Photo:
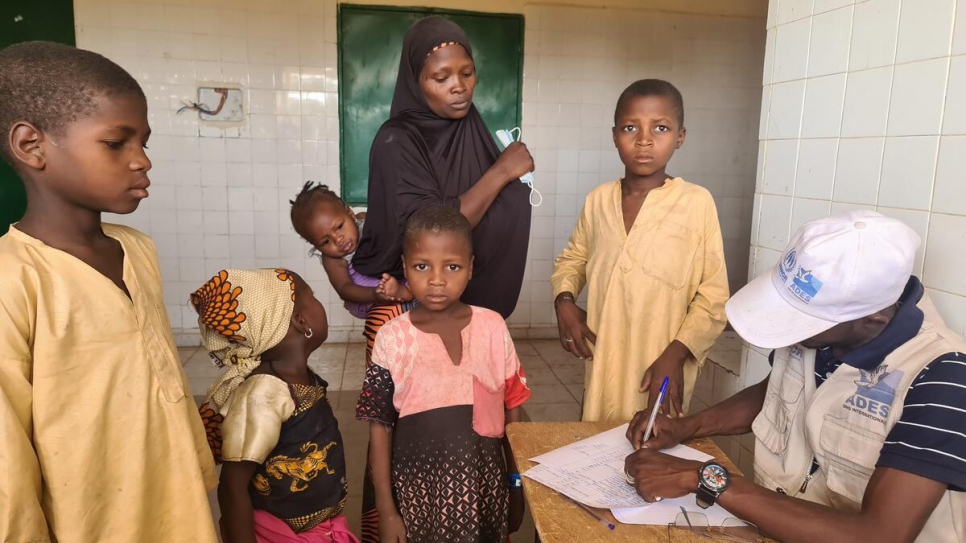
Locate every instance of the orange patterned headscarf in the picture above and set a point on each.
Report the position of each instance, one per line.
(242, 314)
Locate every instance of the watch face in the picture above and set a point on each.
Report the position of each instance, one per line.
(715, 477)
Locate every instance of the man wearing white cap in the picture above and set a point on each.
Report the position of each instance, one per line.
(860, 429)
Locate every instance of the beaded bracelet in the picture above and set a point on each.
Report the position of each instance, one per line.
(564, 298)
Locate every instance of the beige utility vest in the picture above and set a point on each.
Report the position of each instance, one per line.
(843, 424)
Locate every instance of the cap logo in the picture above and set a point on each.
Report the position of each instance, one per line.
(804, 285)
(788, 264)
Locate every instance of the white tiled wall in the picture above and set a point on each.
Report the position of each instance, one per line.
(879, 88)
(218, 202)
(576, 64)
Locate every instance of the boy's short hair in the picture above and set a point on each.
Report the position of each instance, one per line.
(51, 85)
(651, 87)
(437, 219)
(302, 204)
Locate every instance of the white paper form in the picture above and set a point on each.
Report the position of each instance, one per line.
(604, 493)
(591, 471)
(611, 442)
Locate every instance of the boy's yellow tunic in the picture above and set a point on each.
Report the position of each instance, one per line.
(100, 439)
(664, 280)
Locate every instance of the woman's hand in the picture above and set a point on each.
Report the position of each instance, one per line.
(392, 529)
(573, 330)
(671, 365)
(517, 508)
(514, 162)
(509, 166)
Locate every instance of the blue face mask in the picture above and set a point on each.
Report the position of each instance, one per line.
(506, 138)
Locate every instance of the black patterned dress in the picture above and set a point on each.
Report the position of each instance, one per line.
(302, 479)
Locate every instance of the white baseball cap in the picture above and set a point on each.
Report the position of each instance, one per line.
(834, 270)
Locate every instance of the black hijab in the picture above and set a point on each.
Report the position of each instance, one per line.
(419, 159)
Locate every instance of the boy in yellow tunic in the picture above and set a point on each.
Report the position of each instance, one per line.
(100, 440)
(648, 247)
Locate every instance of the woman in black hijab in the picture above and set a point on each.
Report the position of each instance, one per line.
(436, 149)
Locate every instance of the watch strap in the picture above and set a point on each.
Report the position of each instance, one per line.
(705, 497)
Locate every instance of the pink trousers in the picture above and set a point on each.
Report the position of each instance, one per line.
(271, 529)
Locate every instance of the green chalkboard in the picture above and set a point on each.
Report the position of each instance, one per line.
(370, 42)
(23, 20)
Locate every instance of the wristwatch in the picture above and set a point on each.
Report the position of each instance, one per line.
(514, 480)
(713, 479)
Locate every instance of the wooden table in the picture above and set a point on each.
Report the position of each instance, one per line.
(558, 520)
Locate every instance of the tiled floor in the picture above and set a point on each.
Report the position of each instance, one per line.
(555, 378)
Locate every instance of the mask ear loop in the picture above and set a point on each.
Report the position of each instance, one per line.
(535, 192)
(528, 177)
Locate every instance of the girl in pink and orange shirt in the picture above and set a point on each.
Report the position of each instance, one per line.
(444, 381)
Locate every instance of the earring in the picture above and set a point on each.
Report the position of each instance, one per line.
(308, 334)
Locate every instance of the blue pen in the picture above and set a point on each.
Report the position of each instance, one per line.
(600, 520)
(657, 406)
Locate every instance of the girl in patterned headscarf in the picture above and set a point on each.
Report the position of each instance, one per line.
(268, 418)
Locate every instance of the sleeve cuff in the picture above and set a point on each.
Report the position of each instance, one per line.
(366, 418)
(517, 392)
(944, 474)
(376, 398)
(565, 286)
(697, 351)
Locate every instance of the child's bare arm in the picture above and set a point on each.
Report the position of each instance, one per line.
(338, 271)
(517, 504)
(512, 415)
(391, 526)
(237, 512)
(568, 279)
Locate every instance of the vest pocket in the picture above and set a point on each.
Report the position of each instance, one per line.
(782, 403)
(849, 457)
(669, 254)
(792, 385)
(771, 425)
